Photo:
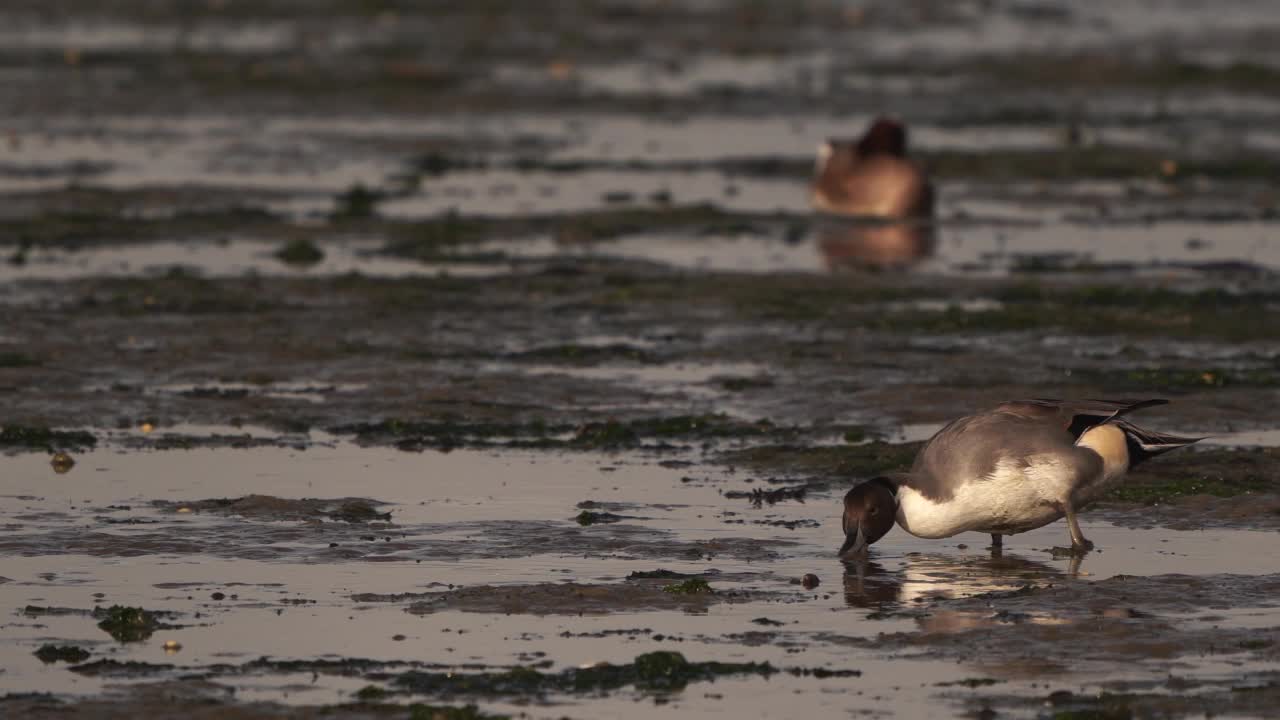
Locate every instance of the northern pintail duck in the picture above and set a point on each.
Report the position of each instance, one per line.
(872, 176)
(1014, 468)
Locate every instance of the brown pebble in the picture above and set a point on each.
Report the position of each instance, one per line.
(62, 463)
(810, 581)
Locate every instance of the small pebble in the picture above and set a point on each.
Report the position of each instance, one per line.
(62, 463)
(809, 581)
(218, 596)
(172, 646)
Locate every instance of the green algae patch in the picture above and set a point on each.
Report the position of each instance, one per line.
(1174, 488)
(357, 203)
(703, 218)
(760, 497)
(1218, 473)
(61, 653)
(587, 518)
(89, 228)
(572, 353)
(418, 711)
(445, 433)
(970, 683)
(1216, 314)
(357, 512)
(300, 252)
(608, 434)
(745, 384)
(42, 438)
(692, 586)
(271, 508)
(371, 693)
(616, 434)
(127, 624)
(661, 574)
(656, 671)
(641, 591)
(414, 435)
(177, 292)
(17, 360)
(433, 239)
(864, 460)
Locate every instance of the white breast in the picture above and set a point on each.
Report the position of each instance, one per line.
(1016, 497)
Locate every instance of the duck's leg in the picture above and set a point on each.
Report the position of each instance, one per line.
(997, 543)
(1078, 541)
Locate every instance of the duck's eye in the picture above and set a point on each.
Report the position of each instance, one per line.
(875, 511)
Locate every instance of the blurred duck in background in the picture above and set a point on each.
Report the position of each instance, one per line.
(872, 176)
(877, 204)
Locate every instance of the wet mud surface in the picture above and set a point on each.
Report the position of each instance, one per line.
(346, 374)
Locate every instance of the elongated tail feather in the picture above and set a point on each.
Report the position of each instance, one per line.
(1146, 444)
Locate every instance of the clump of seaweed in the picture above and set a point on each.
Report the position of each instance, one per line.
(126, 624)
(692, 586)
(42, 438)
(64, 653)
(300, 252)
(663, 670)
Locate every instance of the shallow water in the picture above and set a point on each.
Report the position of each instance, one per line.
(476, 517)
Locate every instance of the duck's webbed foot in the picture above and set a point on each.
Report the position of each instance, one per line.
(1079, 544)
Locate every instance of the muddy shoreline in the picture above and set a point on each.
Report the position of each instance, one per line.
(405, 360)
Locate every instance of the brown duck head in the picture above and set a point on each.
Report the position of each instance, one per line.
(870, 510)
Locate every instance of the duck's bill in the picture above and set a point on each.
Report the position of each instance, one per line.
(854, 545)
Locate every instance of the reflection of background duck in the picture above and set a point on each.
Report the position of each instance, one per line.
(875, 245)
(873, 180)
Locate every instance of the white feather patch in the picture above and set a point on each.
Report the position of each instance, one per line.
(825, 151)
(1017, 496)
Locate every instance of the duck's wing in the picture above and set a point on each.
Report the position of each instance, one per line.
(1075, 416)
(977, 447)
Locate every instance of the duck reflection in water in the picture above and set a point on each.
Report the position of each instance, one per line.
(869, 584)
(876, 204)
(875, 245)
